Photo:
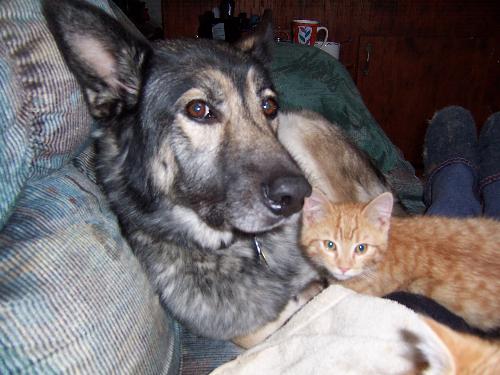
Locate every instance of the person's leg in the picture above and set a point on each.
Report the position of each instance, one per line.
(450, 162)
(489, 168)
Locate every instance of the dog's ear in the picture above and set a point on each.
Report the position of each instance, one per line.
(261, 42)
(106, 58)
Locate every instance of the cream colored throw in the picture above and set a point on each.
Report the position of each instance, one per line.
(342, 332)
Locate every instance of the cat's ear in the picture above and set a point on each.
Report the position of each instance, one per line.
(106, 58)
(260, 43)
(379, 211)
(315, 207)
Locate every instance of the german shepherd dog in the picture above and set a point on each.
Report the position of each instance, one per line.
(189, 158)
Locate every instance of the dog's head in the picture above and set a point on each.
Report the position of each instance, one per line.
(190, 126)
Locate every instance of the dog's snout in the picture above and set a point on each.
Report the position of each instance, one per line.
(285, 195)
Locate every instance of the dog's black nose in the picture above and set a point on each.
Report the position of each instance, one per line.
(285, 195)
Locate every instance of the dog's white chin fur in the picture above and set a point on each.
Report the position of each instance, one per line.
(198, 230)
(212, 238)
(255, 224)
(256, 218)
(255, 227)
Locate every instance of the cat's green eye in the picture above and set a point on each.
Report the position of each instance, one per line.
(330, 245)
(361, 248)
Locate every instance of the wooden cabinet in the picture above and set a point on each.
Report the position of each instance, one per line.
(404, 80)
(423, 54)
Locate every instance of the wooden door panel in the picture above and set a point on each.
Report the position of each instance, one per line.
(407, 79)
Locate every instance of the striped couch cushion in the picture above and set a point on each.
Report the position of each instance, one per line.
(43, 121)
(73, 298)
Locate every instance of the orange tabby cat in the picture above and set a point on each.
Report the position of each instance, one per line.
(456, 262)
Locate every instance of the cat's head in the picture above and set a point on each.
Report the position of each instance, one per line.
(346, 239)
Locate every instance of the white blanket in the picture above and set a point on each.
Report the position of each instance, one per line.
(342, 332)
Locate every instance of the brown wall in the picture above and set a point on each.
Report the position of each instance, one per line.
(346, 20)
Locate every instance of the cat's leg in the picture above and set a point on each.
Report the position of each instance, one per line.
(489, 167)
(450, 159)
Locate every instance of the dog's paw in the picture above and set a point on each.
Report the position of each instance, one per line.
(311, 291)
(295, 304)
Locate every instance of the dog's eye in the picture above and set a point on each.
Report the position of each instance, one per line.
(200, 111)
(270, 107)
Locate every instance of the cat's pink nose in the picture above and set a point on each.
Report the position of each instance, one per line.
(344, 269)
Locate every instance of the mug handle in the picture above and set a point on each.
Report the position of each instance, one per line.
(326, 34)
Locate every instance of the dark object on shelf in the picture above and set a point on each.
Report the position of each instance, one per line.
(232, 29)
(206, 21)
(226, 27)
(138, 13)
(226, 9)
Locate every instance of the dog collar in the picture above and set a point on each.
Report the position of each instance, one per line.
(260, 253)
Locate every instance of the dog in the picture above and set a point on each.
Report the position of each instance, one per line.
(189, 158)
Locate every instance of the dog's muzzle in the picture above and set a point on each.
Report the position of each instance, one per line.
(284, 196)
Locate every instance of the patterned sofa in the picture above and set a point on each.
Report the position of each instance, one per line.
(73, 298)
